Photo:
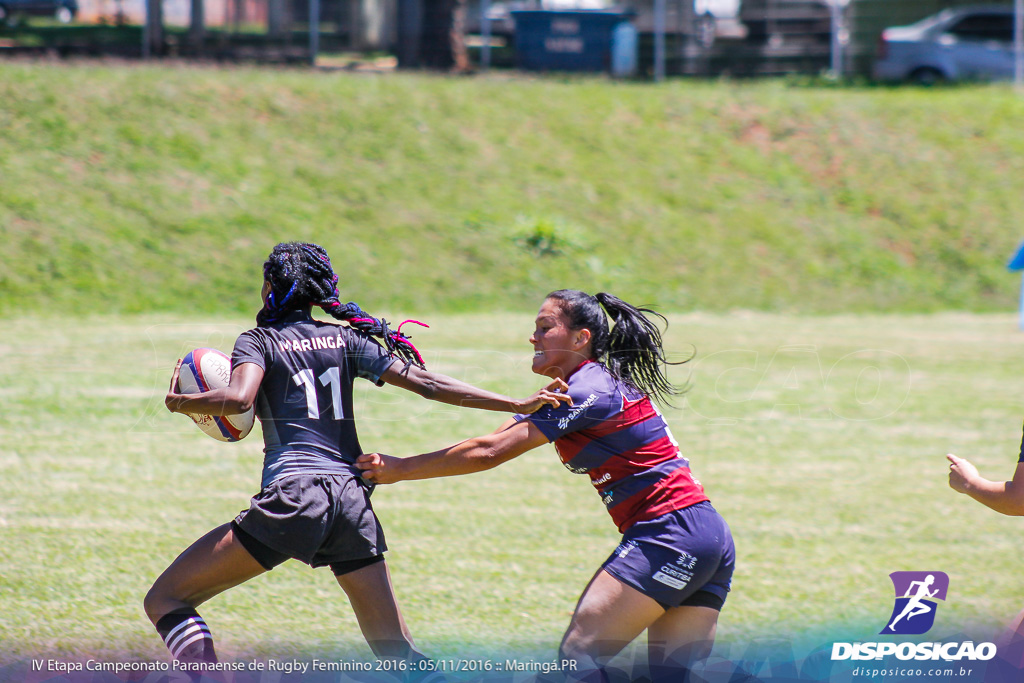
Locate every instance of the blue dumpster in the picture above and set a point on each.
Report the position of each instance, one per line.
(575, 40)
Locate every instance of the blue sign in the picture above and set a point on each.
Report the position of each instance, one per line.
(1017, 262)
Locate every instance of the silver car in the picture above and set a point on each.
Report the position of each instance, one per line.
(966, 43)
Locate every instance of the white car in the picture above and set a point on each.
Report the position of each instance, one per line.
(965, 43)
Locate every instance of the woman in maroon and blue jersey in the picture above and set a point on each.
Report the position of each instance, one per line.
(673, 568)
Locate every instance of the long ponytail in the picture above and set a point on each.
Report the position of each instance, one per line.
(631, 349)
(300, 274)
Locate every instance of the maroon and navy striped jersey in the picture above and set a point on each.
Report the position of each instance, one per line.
(615, 434)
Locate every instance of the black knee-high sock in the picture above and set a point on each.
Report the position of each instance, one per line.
(187, 636)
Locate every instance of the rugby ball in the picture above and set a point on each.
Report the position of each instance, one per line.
(205, 370)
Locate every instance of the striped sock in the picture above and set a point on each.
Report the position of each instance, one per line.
(187, 636)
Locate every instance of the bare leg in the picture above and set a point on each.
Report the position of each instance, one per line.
(608, 617)
(214, 563)
(373, 600)
(677, 641)
(211, 565)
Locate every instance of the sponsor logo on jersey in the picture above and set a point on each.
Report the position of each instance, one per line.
(563, 423)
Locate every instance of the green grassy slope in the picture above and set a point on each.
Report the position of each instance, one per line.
(131, 188)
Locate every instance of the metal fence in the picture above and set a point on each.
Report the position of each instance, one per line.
(772, 37)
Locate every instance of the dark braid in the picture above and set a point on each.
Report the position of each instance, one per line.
(300, 274)
(632, 350)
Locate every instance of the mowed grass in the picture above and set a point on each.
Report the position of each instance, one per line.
(126, 185)
(821, 440)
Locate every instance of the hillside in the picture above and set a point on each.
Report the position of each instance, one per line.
(127, 188)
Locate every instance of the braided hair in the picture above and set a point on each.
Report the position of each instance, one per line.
(300, 274)
(632, 350)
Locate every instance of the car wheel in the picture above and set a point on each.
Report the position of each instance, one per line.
(64, 15)
(927, 76)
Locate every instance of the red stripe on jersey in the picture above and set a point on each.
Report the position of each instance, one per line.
(676, 491)
(624, 465)
(570, 445)
(633, 412)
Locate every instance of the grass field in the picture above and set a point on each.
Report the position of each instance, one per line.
(821, 440)
(125, 185)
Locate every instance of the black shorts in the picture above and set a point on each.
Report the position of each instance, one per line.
(319, 519)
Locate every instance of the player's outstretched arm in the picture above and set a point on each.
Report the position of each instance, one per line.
(1006, 497)
(472, 455)
(445, 389)
(233, 399)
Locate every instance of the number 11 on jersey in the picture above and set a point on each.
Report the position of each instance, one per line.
(330, 378)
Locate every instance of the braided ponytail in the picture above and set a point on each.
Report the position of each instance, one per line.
(632, 349)
(300, 274)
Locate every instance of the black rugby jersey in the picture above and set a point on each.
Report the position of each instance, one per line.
(305, 399)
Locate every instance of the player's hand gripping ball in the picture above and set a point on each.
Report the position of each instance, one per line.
(205, 370)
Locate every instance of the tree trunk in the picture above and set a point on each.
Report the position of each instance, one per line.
(278, 21)
(154, 28)
(442, 45)
(197, 24)
(457, 36)
(410, 31)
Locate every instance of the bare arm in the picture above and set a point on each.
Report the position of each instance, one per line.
(505, 425)
(233, 399)
(445, 389)
(472, 455)
(1006, 497)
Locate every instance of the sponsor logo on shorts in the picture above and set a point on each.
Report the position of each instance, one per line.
(678, 574)
(687, 561)
(625, 548)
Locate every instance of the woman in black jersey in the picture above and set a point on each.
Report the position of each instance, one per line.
(313, 505)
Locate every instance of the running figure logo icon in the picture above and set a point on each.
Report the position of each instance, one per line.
(916, 593)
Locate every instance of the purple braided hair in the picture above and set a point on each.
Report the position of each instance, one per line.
(301, 274)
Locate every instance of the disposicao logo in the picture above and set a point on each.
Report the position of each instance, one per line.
(914, 614)
(916, 595)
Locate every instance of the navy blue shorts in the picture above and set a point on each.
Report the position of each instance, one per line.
(684, 557)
